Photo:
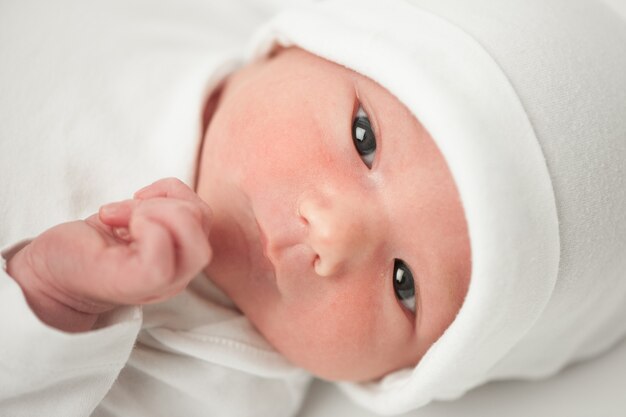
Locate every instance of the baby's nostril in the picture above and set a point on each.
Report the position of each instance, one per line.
(318, 266)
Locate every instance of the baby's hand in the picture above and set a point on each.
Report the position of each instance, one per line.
(135, 251)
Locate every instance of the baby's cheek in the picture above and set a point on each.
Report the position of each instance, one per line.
(355, 318)
(339, 337)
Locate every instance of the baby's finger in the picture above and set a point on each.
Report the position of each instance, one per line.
(167, 187)
(117, 214)
(175, 188)
(184, 222)
(145, 268)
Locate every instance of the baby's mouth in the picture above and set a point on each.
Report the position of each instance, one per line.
(265, 248)
(266, 262)
(263, 240)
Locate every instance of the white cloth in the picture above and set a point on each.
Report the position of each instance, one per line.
(98, 100)
(526, 99)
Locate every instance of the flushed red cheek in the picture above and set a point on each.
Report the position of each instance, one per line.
(343, 322)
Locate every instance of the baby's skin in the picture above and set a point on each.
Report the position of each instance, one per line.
(131, 252)
(322, 208)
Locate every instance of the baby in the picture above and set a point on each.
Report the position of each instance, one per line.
(343, 194)
(310, 229)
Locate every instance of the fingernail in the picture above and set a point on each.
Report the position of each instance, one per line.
(111, 208)
(141, 190)
(122, 233)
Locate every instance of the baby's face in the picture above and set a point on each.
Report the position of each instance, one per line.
(320, 239)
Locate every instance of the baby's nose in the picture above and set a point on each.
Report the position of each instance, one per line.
(339, 231)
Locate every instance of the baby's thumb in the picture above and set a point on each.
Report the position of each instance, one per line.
(117, 214)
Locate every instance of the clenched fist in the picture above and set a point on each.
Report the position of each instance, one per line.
(136, 251)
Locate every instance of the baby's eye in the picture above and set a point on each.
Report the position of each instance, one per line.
(363, 137)
(403, 284)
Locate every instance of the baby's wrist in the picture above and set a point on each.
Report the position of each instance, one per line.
(45, 306)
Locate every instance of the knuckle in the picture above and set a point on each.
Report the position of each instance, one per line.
(140, 209)
(196, 210)
(207, 211)
(189, 208)
(158, 275)
(155, 267)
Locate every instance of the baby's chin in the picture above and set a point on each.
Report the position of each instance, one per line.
(329, 363)
(357, 374)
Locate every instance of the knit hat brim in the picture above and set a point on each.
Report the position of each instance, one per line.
(465, 101)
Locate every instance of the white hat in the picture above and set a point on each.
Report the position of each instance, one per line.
(526, 99)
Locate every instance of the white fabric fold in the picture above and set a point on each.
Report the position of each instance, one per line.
(37, 361)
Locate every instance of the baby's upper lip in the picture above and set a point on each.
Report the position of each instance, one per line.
(276, 239)
(265, 243)
(263, 239)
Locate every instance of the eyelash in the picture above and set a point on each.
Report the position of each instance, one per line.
(363, 137)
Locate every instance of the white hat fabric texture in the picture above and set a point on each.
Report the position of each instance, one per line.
(526, 100)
